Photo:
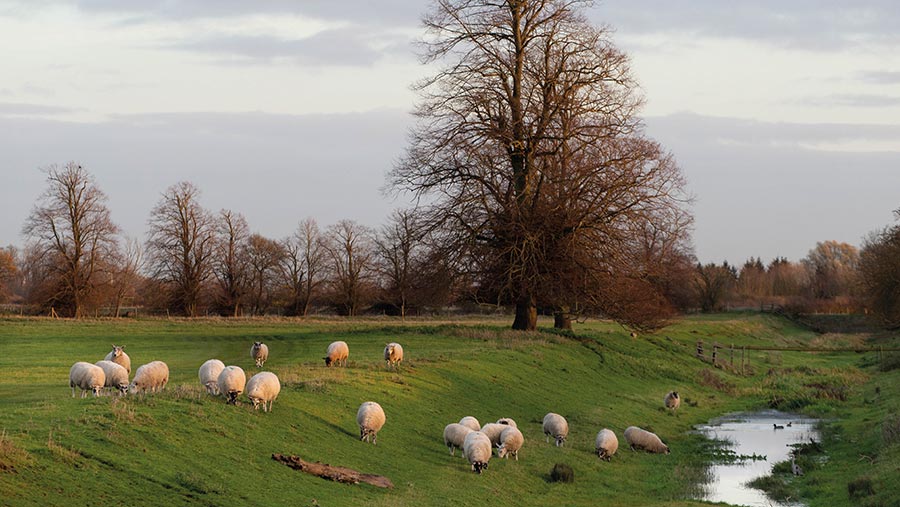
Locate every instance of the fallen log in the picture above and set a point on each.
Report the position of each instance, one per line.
(334, 473)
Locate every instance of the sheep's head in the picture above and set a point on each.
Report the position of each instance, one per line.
(232, 397)
(327, 361)
(123, 388)
(479, 466)
(560, 440)
(501, 451)
(96, 390)
(255, 403)
(117, 351)
(665, 449)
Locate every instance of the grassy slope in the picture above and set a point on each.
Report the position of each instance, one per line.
(183, 447)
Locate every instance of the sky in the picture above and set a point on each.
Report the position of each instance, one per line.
(784, 116)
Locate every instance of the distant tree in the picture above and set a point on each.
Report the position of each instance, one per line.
(832, 268)
(71, 226)
(753, 281)
(125, 273)
(264, 257)
(713, 284)
(181, 245)
(399, 246)
(303, 266)
(351, 250)
(230, 263)
(787, 279)
(9, 272)
(879, 267)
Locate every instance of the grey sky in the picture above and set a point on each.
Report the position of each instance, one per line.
(784, 115)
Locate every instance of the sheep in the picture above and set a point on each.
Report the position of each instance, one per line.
(87, 376)
(638, 438)
(370, 418)
(393, 354)
(507, 421)
(118, 356)
(606, 444)
(493, 431)
(337, 353)
(557, 427)
(116, 376)
(470, 422)
(511, 441)
(672, 400)
(477, 450)
(455, 436)
(263, 388)
(209, 375)
(231, 383)
(152, 377)
(259, 352)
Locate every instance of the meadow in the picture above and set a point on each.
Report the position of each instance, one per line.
(184, 447)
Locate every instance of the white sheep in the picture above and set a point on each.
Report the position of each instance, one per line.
(606, 444)
(118, 356)
(393, 354)
(370, 418)
(263, 388)
(671, 400)
(507, 421)
(231, 383)
(511, 440)
(259, 351)
(557, 427)
(477, 450)
(152, 377)
(337, 353)
(639, 438)
(116, 376)
(88, 377)
(493, 431)
(470, 422)
(209, 375)
(455, 436)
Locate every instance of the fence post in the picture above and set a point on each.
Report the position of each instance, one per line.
(700, 349)
(715, 353)
(732, 355)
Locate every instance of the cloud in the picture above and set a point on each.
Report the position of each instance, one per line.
(854, 100)
(17, 109)
(881, 77)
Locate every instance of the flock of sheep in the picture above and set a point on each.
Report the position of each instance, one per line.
(476, 442)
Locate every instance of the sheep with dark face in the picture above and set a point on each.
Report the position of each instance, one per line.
(337, 354)
(116, 376)
(209, 375)
(511, 440)
(477, 450)
(152, 377)
(370, 418)
(87, 377)
(672, 401)
(557, 427)
(118, 356)
(263, 388)
(231, 383)
(260, 353)
(455, 436)
(393, 354)
(606, 444)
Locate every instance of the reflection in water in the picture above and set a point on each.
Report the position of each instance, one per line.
(764, 433)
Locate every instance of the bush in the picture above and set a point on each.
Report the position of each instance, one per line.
(890, 429)
(860, 488)
(562, 473)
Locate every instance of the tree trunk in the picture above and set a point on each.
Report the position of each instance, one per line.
(562, 319)
(526, 314)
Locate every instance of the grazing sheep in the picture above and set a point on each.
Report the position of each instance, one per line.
(152, 377)
(260, 353)
(209, 375)
(477, 450)
(118, 356)
(507, 421)
(116, 376)
(606, 444)
(455, 436)
(672, 400)
(470, 422)
(393, 354)
(231, 383)
(557, 427)
(638, 438)
(263, 388)
(87, 376)
(370, 418)
(511, 441)
(337, 353)
(493, 431)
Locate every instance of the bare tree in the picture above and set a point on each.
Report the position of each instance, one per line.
(350, 248)
(230, 264)
(180, 245)
(302, 266)
(832, 268)
(72, 226)
(879, 267)
(9, 272)
(126, 273)
(399, 245)
(530, 148)
(264, 256)
(713, 283)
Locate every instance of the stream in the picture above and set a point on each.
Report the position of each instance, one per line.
(753, 434)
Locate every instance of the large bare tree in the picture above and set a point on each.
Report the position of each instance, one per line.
(71, 226)
(125, 273)
(180, 245)
(264, 258)
(879, 269)
(399, 246)
(303, 266)
(529, 147)
(351, 251)
(230, 264)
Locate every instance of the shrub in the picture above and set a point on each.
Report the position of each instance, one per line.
(562, 473)
(860, 488)
(890, 429)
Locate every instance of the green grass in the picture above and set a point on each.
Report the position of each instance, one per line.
(182, 447)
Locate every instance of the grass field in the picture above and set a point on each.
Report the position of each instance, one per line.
(183, 447)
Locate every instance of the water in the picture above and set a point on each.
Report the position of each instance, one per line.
(749, 434)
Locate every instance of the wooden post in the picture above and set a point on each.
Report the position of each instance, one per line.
(700, 349)
(715, 353)
(743, 349)
(732, 355)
